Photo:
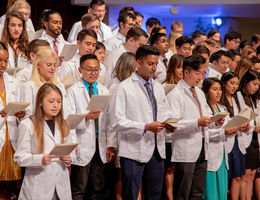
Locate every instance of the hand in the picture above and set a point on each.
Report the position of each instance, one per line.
(257, 129)
(220, 122)
(2, 113)
(110, 154)
(20, 114)
(60, 61)
(231, 131)
(248, 127)
(65, 159)
(155, 127)
(170, 128)
(204, 121)
(46, 159)
(94, 114)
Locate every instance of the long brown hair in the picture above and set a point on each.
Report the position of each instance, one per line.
(38, 116)
(23, 39)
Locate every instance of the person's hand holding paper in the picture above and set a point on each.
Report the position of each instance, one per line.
(94, 114)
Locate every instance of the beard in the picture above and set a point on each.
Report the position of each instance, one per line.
(56, 32)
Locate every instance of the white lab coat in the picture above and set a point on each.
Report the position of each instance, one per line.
(187, 140)
(25, 74)
(161, 70)
(22, 60)
(41, 181)
(214, 73)
(28, 93)
(217, 146)
(85, 132)
(114, 42)
(12, 95)
(130, 111)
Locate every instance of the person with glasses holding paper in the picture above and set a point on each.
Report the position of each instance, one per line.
(88, 179)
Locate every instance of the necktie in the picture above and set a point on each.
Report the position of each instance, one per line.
(55, 46)
(192, 89)
(154, 105)
(90, 94)
(165, 61)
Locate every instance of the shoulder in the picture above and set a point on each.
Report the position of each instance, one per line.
(102, 87)
(26, 124)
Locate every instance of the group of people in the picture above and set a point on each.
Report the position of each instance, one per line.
(130, 150)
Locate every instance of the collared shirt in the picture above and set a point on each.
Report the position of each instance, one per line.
(144, 82)
(94, 86)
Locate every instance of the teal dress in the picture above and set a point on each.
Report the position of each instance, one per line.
(217, 183)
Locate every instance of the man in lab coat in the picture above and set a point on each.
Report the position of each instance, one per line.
(140, 106)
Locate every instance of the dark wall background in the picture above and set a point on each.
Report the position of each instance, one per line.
(70, 13)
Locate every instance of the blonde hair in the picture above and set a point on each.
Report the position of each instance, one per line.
(20, 4)
(243, 66)
(125, 66)
(171, 40)
(10, 3)
(247, 50)
(41, 55)
(38, 116)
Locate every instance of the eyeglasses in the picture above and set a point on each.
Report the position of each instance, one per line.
(89, 70)
(25, 14)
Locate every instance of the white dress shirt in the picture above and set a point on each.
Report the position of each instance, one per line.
(25, 74)
(161, 70)
(114, 42)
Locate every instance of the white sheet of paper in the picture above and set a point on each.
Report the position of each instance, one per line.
(168, 88)
(242, 118)
(68, 81)
(75, 119)
(174, 122)
(63, 149)
(34, 35)
(68, 51)
(13, 70)
(14, 107)
(218, 116)
(98, 102)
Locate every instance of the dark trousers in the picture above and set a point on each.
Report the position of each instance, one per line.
(93, 180)
(190, 178)
(151, 173)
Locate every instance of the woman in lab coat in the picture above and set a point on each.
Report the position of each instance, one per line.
(46, 177)
(44, 71)
(10, 173)
(15, 37)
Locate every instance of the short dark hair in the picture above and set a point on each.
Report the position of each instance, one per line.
(135, 33)
(255, 38)
(126, 9)
(34, 44)
(138, 14)
(96, 2)
(255, 60)
(3, 47)
(146, 50)
(87, 57)
(155, 37)
(156, 29)
(212, 32)
(193, 62)
(182, 40)
(243, 44)
(82, 34)
(100, 45)
(200, 49)
(152, 21)
(232, 53)
(48, 14)
(123, 16)
(231, 36)
(197, 34)
(217, 55)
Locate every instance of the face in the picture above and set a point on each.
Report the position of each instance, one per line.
(99, 10)
(25, 13)
(147, 66)
(216, 37)
(178, 29)
(93, 25)
(3, 61)
(135, 44)
(184, 50)
(206, 56)
(256, 67)
(51, 104)
(222, 64)
(139, 21)
(215, 92)
(47, 67)
(162, 45)
(213, 48)
(178, 72)
(32, 55)
(90, 70)
(125, 27)
(100, 53)
(231, 86)
(251, 55)
(200, 39)
(193, 77)
(54, 25)
(87, 45)
(15, 28)
(233, 44)
(234, 62)
(252, 86)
